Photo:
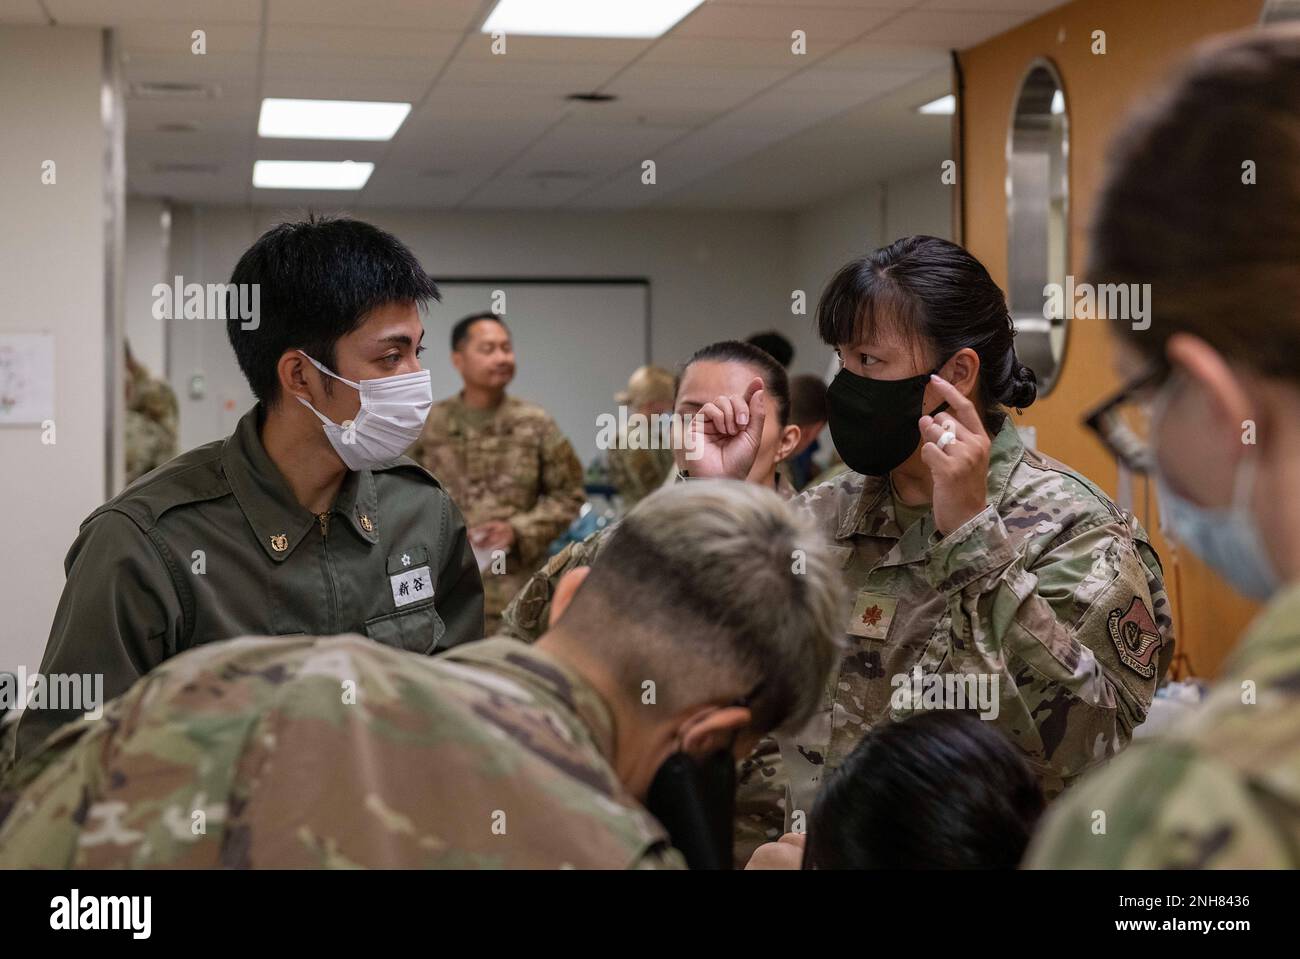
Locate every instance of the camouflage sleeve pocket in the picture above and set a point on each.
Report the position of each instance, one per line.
(1120, 629)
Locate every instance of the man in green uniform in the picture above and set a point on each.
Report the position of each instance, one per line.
(502, 459)
(284, 527)
(691, 637)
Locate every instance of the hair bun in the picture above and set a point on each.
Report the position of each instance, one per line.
(1022, 388)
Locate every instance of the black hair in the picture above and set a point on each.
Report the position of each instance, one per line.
(776, 382)
(808, 399)
(939, 790)
(774, 345)
(460, 332)
(317, 279)
(1218, 251)
(932, 289)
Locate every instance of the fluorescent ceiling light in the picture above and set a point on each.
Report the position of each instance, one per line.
(311, 174)
(588, 18)
(944, 106)
(330, 119)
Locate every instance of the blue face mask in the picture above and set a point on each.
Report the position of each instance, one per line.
(1226, 538)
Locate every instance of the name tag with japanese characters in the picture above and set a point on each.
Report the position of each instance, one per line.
(872, 614)
(411, 585)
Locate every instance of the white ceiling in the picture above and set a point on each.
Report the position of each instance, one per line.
(731, 117)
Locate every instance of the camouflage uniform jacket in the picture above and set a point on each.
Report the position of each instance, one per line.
(527, 615)
(636, 473)
(151, 427)
(1220, 790)
(760, 784)
(1051, 590)
(518, 467)
(336, 752)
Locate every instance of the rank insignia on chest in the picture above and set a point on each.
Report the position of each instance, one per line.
(872, 614)
(1136, 637)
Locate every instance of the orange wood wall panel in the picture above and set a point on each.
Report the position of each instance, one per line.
(1144, 38)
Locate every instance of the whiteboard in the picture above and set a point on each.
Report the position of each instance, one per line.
(576, 343)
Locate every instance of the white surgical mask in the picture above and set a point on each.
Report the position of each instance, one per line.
(392, 414)
(1226, 538)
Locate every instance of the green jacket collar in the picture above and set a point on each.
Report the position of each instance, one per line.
(277, 519)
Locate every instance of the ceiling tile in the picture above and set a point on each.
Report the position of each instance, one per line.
(575, 77)
(886, 57)
(479, 46)
(198, 12)
(703, 76)
(592, 148)
(699, 51)
(824, 27)
(433, 46)
(187, 68)
(22, 12)
(944, 29)
(220, 39)
(457, 15)
(288, 66)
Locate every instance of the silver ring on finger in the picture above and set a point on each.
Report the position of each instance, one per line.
(947, 438)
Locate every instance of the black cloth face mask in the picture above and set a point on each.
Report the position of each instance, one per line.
(874, 422)
(696, 803)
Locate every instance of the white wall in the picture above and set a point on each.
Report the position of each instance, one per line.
(52, 276)
(145, 264)
(835, 231)
(712, 275)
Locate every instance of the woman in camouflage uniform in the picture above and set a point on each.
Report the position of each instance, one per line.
(717, 369)
(984, 574)
(1212, 388)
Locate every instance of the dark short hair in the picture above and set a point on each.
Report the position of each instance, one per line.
(1220, 251)
(939, 790)
(807, 399)
(317, 280)
(776, 382)
(774, 345)
(935, 292)
(460, 332)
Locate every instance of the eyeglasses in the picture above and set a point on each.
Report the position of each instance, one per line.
(1123, 421)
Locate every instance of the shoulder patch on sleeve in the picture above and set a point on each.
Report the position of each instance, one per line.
(1136, 637)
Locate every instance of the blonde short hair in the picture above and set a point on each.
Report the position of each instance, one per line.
(716, 589)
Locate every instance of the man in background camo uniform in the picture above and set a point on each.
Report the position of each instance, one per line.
(504, 461)
(339, 752)
(635, 468)
(151, 429)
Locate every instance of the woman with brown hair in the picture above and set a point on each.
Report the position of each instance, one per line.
(1203, 203)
